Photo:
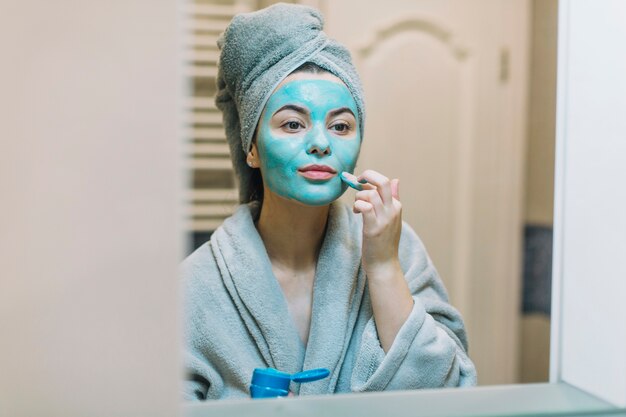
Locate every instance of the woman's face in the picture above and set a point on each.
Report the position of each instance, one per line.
(307, 135)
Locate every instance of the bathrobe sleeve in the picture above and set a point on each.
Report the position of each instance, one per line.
(430, 350)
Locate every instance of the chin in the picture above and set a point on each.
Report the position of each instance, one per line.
(317, 200)
(308, 195)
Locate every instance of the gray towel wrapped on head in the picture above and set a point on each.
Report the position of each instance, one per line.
(258, 51)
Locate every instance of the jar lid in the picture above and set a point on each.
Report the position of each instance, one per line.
(271, 378)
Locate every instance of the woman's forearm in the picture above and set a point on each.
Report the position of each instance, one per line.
(391, 300)
(379, 203)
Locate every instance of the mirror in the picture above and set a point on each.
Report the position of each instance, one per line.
(460, 99)
(91, 236)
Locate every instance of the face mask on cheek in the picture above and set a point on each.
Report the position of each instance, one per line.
(283, 155)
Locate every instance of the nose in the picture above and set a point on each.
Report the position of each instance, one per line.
(318, 143)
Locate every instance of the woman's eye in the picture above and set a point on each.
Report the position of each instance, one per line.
(340, 127)
(293, 125)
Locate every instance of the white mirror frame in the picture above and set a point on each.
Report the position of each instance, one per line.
(588, 340)
(90, 236)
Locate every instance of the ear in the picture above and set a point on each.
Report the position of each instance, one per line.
(252, 159)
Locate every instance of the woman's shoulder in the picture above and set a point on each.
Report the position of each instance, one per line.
(198, 266)
(200, 257)
(202, 261)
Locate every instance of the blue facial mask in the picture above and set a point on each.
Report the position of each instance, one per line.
(289, 141)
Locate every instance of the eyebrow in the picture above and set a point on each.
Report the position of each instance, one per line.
(293, 107)
(341, 110)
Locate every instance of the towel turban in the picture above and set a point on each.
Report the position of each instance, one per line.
(257, 51)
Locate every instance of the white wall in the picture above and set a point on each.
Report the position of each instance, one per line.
(89, 185)
(590, 205)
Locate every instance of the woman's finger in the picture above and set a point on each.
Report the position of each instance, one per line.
(372, 197)
(353, 181)
(367, 210)
(395, 188)
(382, 183)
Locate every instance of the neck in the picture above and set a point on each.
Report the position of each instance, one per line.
(292, 232)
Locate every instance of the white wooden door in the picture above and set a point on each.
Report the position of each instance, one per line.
(445, 85)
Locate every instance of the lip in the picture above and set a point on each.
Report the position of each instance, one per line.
(317, 172)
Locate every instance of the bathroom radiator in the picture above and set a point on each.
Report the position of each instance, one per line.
(211, 193)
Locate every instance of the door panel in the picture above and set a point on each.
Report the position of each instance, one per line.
(445, 91)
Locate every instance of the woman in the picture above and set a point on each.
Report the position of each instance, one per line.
(295, 280)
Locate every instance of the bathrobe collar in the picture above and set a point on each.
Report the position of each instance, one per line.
(337, 293)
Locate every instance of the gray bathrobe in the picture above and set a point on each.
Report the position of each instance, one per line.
(237, 319)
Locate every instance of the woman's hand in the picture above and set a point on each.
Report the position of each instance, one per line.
(380, 206)
(379, 203)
